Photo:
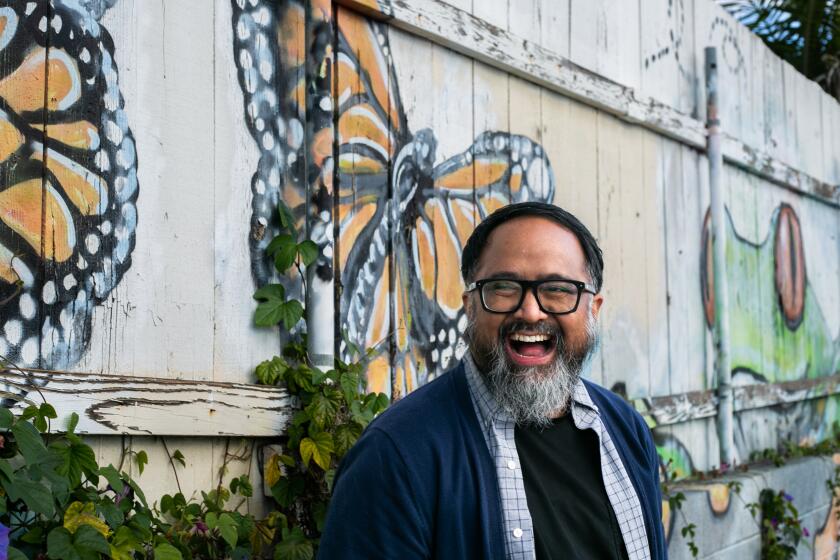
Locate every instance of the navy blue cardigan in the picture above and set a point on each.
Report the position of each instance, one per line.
(420, 482)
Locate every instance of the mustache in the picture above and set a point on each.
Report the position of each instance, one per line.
(533, 328)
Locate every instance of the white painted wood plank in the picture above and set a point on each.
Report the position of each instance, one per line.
(585, 22)
(830, 119)
(468, 35)
(809, 126)
(775, 132)
(237, 345)
(160, 319)
(555, 29)
(111, 405)
(524, 19)
(791, 151)
(494, 12)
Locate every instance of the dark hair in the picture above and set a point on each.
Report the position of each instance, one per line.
(478, 238)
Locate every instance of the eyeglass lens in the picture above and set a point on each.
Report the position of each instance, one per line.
(504, 296)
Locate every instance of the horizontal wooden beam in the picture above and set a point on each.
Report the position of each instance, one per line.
(696, 405)
(112, 404)
(462, 32)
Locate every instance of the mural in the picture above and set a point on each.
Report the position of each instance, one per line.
(402, 217)
(68, 179)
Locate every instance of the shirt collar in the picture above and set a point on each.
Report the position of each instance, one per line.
(489, 408)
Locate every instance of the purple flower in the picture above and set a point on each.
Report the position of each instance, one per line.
(774, 522)
(4, 542)
(805, 532)
(787, 496)
(200, 527)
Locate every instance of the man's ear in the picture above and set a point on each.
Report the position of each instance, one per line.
(597, 301)
(467, 301)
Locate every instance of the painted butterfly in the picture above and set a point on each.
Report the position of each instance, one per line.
(402, 219)
(68, 180)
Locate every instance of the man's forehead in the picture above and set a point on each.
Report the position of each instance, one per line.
(541, 243)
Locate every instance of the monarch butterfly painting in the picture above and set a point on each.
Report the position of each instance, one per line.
(323, 104)
(68, 179)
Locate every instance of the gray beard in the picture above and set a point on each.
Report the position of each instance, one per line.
(532, 396)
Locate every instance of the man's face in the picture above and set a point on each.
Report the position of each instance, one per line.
(529, 342)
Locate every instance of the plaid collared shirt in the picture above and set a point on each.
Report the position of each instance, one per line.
(498, 431)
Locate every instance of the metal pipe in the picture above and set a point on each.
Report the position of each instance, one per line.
(718, 231)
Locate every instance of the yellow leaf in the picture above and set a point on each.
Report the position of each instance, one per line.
(273, 471)
(79, 514)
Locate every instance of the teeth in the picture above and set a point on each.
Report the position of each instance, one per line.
(529, 338)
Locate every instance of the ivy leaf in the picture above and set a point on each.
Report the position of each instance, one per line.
(319, 448)
(178, 456)
(6, 418)
(113, 477)
(77, 458)
(72, 423)
(79, 514)
(142, 460)
(290, 313)
(88, 540)
(294, 546)
(15, 554)
(284, 250)
(211, 520)
(124, 544)
(113, 515)
(287, 219)
(322, 409)
(345, 436)
(227, 528)
(349, 385)
(273, 472)
(381, 403)
(35, 495)
(308, 252)
(60, 545)
(47, 410)
(270, 372)
(286, 490)
(268, 312)
(29, 442)
(166, 551)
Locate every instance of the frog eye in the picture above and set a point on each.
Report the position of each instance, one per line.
(707, 272)
(790, 267)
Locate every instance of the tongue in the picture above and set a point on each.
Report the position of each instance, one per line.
(530, 349)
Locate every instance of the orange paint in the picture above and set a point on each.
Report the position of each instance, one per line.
(481, 173)
(80, 189)
(449, 283)
(321, 10)
(10, 139)
(351, 229)
(402, 325)
(359, 165)
(80, 134)
(515, 181)
(462, 212)
(297, 98)
(20, 209)
(378, 327)
(322, 145)
(360, 36)
(363, 122)
(7, 273)
(425, 257)
(292, 36)
(491, 203)
(379, 375)
(23, 89)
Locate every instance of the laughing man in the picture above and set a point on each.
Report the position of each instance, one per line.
(510, 454)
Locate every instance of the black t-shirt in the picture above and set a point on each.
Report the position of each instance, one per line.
(572, 516)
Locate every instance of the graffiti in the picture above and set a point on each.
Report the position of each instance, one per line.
(402, 218)
(728, 41)
(674, 45)
(68, 180)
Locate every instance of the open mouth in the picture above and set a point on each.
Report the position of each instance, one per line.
(530, 349)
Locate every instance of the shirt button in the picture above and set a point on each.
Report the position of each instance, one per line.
(512, 465)
(517, 533)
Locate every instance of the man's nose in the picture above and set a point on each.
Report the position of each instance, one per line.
(530, 311)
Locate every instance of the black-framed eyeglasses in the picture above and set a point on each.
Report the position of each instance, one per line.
(504, 295)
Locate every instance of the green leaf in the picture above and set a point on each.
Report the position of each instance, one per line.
(349, 386)
(381, 403)
(287, 219)
(308, 252)
(322, 409)
(47, 411)
(77, 458)
(113, 477)
(345, 436)
(142, 460)
(6, 418)
(294, 546)
(284, 252)
(60, 545)
(35, 495)
(270, 311)
(89, 541)
(270, 372)
(227, 528)
(178, 456)
(166, 551)
(286, 490)
(319, 448)
(15, 554)
(72, 423)
(124, 544)
(6, 470)
(113, 515)
(290, 313)
(29, 442)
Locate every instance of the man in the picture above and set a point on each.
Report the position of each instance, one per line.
(510, 454)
